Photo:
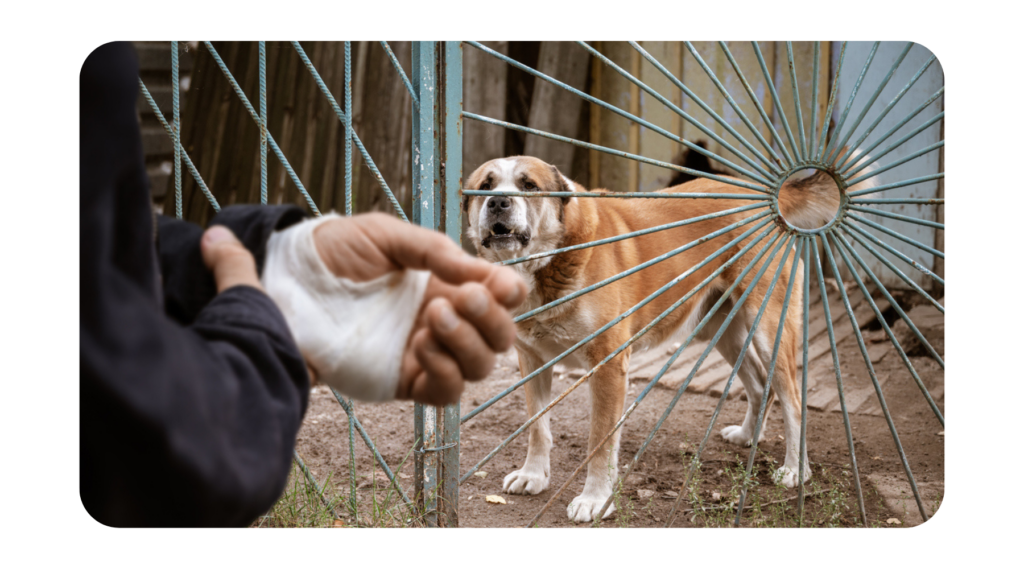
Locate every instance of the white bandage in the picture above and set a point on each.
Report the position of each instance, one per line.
(352, 333)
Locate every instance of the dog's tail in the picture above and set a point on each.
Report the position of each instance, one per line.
(813, 201)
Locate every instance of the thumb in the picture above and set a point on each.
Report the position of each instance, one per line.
(231, 263)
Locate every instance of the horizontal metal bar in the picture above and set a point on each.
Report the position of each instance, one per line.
(627, 195)
(401, 72)
(896, 252)
(871, 370)
(672, 225)
(843, 243)
(682, 86)
(373, 448)
(355, 137)
(906, 218)
(900, 184)
(851, 168)
(646, 264)
(757, 103)
(874, 97)
(896, 163)
(853, 96)
(616, 110)
(668, 364)
(920, 201)
(255, 117)
(620, 153)
(564, 354)
(629, 342)
(892, 267)
(885, 111)
(184, 154)
(708, 132)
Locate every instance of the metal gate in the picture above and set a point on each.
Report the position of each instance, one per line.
(435, 86)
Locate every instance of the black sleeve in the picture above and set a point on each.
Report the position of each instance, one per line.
(187, 285)
(179, 426)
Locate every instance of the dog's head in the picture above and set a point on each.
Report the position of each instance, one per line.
(506, 227)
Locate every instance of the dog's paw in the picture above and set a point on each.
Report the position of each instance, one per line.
(525, 481)
(584, 508)
(788, 476)
(736, 435)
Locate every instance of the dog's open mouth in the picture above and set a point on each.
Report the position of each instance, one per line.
(504, 236)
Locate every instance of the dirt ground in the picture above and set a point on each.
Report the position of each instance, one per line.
(648, 493)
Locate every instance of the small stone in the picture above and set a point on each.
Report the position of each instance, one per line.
(494, 499)
(644, 494)
(671, 494)
(716, 497)
(893, 522)
(480, 473)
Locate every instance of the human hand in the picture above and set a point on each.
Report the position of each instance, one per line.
(231, 264)
(463, 320)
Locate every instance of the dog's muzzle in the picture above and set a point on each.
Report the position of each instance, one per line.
(499, 230)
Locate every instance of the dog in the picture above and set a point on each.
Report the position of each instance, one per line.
(504, 228)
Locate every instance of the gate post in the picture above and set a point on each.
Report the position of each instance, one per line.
(437, 179)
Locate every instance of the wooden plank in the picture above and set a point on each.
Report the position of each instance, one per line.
(484, 92)
(553, 109)
(613, 171)
(652, 144)
(929, 83)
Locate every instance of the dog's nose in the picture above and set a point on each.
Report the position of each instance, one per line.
(498, 204)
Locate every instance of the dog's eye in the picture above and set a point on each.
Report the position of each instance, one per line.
(529, 185)
(485, 186)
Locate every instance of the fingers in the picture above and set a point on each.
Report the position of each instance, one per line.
(460, 339)
(229, 261)
(491, 320)
(440, 383)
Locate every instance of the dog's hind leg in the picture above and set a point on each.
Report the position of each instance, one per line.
(535, 475)
(607, 399)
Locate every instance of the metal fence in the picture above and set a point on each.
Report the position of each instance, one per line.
(792, 145)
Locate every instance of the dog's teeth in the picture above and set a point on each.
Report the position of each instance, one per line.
(492, 232)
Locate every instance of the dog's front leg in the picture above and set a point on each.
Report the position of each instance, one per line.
(535, 475)
(607, 398)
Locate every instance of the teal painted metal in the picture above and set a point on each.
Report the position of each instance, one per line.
(175, 89)
(184, 155)
(757, 103)
(263, 122)
(796, 100)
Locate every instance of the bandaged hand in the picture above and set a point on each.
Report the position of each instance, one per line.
(383, 309)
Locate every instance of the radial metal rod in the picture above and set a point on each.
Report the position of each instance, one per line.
(771, 374)
(849, 103)
(871, 101)
(632, 234)
(839, 378)
(899, 217)
(895, 185)
(893, 268)
(885, 111)
(796, 101)
(757, 103)
(775, 97)
(871, 373)
(625, 345)
(902, 314)
(831, 104)
(611, 108)
(765, 175)
(852, 166)
(901, 256)
(704, 106)
(523, 381)
(620, 153)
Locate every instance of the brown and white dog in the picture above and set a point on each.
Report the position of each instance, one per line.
(504, 228)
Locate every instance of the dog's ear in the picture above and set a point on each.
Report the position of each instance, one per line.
(560, 183)
(465, 202)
